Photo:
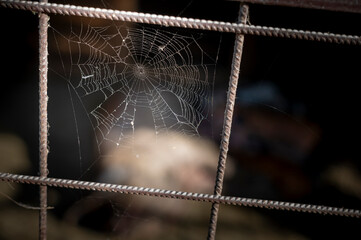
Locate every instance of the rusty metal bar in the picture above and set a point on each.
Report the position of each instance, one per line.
(180, 22)
(200, 197)
(43, 118)
(227, 122)
(352, 6)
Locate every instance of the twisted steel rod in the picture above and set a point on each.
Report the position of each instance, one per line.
(353, 6)
(227, 122)
(43, 118)
(172, 21)
(227, 200)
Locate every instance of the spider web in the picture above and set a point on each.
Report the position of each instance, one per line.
(141, 89)
(130, 76)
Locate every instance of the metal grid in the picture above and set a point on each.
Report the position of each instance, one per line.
(241, 28)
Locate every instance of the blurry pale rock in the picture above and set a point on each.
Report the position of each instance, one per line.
(171, 161)
(13, 159)
(176, 162)
(167, 161)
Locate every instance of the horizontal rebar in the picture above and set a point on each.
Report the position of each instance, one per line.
(353, 6)
(227, 200)
(182, 22)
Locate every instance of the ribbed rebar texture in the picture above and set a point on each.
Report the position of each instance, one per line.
(353, 6)
(227, 122)
(43, 115)
(228, 200)
(180, 22)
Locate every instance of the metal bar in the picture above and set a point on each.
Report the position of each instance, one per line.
(352, 6)
(180, 22)
(200, 197)
(227, 122)
(43, 118)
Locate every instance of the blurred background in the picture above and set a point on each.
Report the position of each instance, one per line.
(295, 134)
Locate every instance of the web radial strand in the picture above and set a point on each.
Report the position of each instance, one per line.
(118, 71)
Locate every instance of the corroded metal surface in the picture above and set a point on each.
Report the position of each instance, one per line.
(180, 22)
(228, 200)
(43, 118)
(227, 122)
(353, 6)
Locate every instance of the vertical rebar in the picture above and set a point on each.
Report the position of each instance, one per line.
(43, 115)
(227, 122)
